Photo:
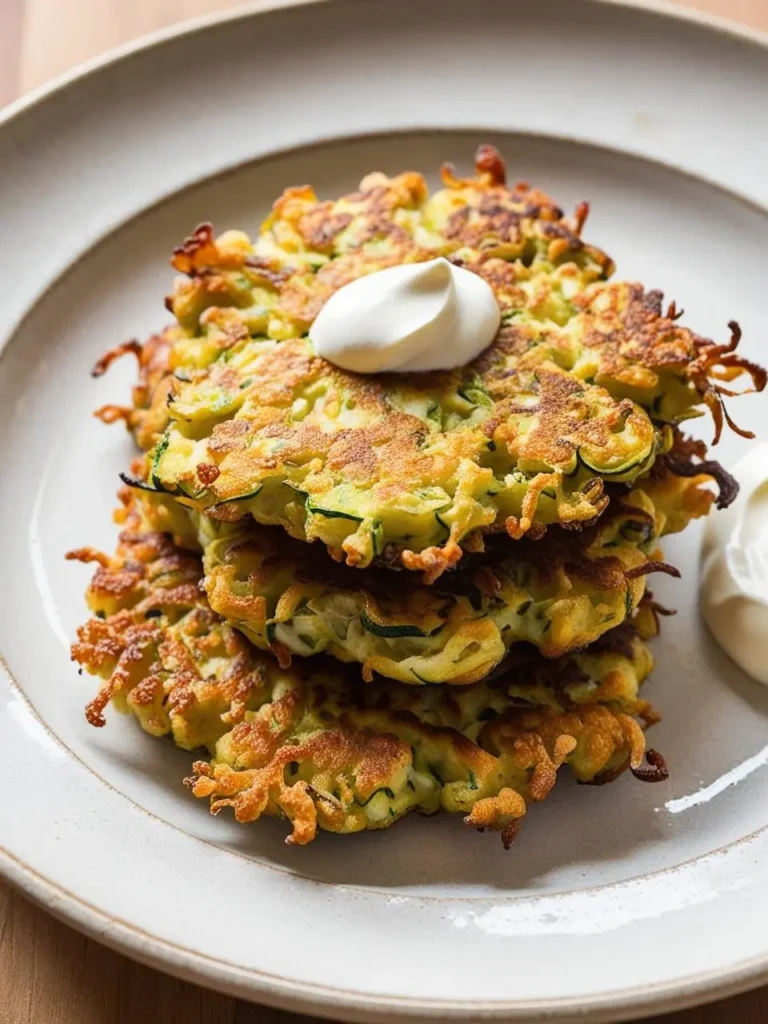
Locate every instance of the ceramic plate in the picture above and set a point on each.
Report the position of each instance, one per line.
(615, 901)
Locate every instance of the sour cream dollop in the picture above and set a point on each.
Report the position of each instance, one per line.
(734, 585)
(408, 319)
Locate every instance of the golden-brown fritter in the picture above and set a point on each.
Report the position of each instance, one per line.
(560, 593)
(324, 750)
(577, 391)
(291, 599)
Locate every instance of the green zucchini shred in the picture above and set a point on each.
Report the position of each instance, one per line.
(160, 450)
(390, 632)
(331, 513)
(231, 501)
(382, 789)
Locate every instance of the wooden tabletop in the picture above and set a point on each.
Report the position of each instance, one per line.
(51, 974)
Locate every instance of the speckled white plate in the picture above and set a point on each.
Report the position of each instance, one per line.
(616, 901)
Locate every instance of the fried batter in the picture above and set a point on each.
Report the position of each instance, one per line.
(569, 420)
(559, 594)
(291, 599)
(578, 390)
(326, 751)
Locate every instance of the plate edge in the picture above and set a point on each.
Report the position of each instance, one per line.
(664, 9)
(243, 983)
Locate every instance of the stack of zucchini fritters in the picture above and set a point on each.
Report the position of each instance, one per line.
(369, 595)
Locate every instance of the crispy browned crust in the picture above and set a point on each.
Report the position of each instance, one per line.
(147, 417)
(626, 323)
(636, 338)
(688, 459)
(564, 388)
(318, 749)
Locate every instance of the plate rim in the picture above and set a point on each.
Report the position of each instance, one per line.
(299, 995)
(253, 8)
(230, 979)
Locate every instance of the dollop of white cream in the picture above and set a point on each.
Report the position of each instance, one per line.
(734, 585)
(408, 319)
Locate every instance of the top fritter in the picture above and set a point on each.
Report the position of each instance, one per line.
(580, 385)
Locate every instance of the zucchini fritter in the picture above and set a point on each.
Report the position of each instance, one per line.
(324, 750)
(569, 420)
(559, 593)
(291, 599)
(579, 388)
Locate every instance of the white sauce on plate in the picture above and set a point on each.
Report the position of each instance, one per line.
(734, 584)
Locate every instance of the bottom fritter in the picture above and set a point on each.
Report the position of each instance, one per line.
(322, 749)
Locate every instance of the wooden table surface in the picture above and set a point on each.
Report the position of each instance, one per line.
(50, 974)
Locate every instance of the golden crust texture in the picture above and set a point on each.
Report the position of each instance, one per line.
(577, 392)
(291, 599)
(324, 751)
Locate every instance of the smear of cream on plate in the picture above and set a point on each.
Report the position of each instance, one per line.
(734, 581)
